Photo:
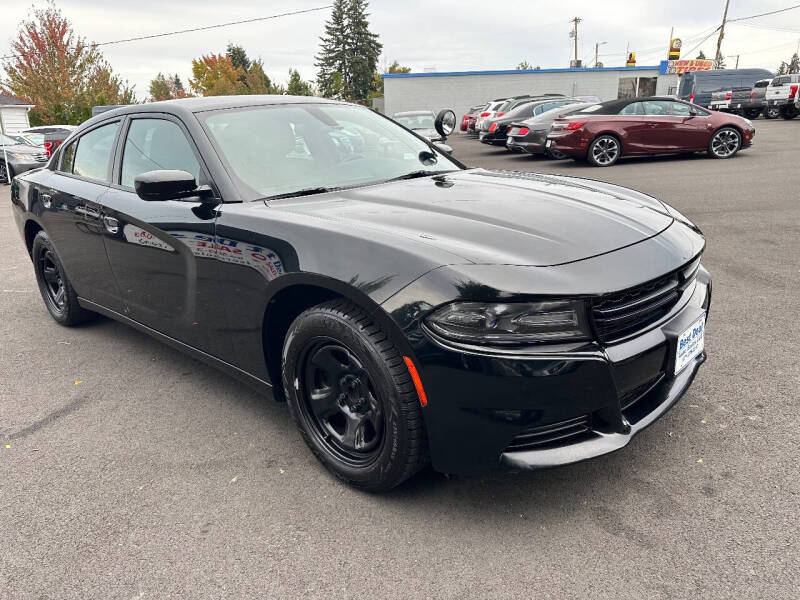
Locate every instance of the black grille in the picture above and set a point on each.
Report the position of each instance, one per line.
(550, 435)
(617, 315)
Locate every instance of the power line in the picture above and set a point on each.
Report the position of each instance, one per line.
(772, 12)
(205, 28)
(771, 28)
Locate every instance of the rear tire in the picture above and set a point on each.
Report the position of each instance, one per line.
(59, 298)
(752, 113)
(789, 112)
(772, 112)
(725, 143)
(351, 396)
(604, 151)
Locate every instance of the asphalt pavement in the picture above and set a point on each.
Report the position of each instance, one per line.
(128, 470)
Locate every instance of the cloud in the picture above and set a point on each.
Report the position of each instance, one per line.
(445, 35)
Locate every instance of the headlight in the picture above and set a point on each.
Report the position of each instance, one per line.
(21, 156)
(511, 323)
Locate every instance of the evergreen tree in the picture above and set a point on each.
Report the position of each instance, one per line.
(332, 56)
(166, 87)
(365, 48)
(524, 66)
(783, 69)
(719, 62)
(349, 53)
(296, 85)
(794, 64)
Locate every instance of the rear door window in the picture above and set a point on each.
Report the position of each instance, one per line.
(93, 155)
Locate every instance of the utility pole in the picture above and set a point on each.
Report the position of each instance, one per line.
(737, 62)
(574, 35)
(722, 32)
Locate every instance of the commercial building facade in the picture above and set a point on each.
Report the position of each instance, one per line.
(462, 89)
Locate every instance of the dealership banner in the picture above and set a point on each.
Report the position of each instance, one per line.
(672, 67)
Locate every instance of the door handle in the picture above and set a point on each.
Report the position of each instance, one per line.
(112, 225)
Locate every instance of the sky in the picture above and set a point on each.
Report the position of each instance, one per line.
(443, 35)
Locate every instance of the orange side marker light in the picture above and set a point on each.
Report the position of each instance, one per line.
(423, 399)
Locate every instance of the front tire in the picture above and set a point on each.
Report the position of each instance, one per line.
(59, 298)
(773, 112)
(725, 143)
(604, 151)
(789, 112)
(351, 396)
(5, 176)
(752, 113)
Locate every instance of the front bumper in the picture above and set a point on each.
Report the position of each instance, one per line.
(480, 403)
(19, 166)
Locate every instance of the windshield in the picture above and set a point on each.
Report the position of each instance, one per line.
(282, 149)
(553, 113)
(7, 140)
(416, 121)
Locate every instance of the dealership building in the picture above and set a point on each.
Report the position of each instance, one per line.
(460, 90)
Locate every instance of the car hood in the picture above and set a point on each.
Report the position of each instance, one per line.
(22, 149)
(496, 217)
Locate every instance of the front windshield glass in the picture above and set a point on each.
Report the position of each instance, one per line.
(416, 121)
(281, 149)
(7, 141)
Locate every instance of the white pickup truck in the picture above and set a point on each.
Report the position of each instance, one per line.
(782, 93)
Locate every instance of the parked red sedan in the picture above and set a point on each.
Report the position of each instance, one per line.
(604, 132)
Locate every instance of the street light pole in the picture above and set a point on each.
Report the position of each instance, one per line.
(596, 52)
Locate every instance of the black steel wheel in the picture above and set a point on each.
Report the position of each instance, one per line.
(339, 401)
(59, 298)
(351, 396)
(604, 151)
(725, 143)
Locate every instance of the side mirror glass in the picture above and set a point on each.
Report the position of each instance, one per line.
(158, 186)
(445, 122)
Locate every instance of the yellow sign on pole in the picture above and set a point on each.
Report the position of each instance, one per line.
(674, 49)
(631, 62)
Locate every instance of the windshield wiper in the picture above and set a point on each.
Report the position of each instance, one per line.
(303, 192)
(418, 174)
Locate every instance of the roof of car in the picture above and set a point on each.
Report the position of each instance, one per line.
(413, 113)
(614, 106)
(216, 102)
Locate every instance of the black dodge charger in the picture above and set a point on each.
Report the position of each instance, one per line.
(408, 309)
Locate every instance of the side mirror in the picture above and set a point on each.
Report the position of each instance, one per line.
(158, 186)
(692, 112)
(443, 147)
(445, 122)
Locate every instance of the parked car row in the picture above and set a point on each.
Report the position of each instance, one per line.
(747, 92)
(603, 132)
